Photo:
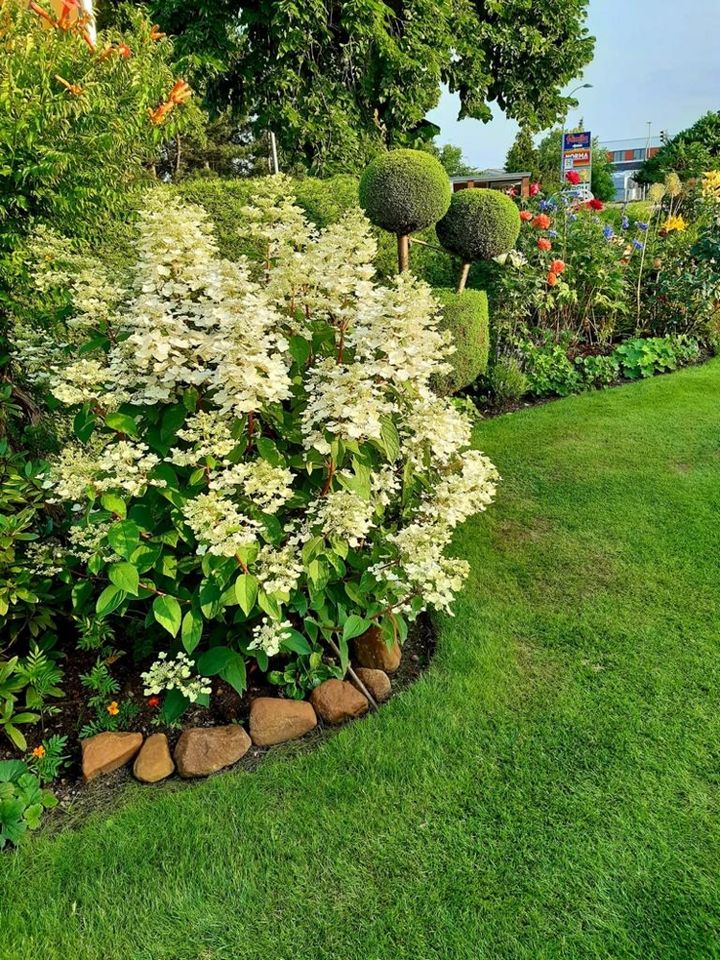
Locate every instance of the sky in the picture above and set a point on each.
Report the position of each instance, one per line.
(655, 60)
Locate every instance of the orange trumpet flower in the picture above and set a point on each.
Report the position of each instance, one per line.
(156, 33)
(180, 92)
(73, 88)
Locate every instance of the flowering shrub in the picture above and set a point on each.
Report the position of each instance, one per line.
(260, 465)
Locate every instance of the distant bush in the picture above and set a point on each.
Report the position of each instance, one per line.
(506, 381)
(465, 316)
(404, 190)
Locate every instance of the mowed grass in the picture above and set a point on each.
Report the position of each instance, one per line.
(549, 789)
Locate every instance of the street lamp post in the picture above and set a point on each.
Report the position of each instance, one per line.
(582, 86)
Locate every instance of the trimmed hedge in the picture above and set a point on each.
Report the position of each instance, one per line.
(480, 225)
(466, 316)
(404, 190)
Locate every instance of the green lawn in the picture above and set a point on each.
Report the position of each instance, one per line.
(548, 790)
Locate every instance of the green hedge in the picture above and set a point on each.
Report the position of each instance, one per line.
(466, 316)
(480, 225)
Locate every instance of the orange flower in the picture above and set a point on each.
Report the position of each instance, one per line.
(113, 709)
(526, 215)
(544, 244)
(158, 115)
(153, 702)
(557, 266)
(39, 752)
(542, 221)
(552, 279)
(73, 88)
(156, 33)
(180, 92)
(124, 51)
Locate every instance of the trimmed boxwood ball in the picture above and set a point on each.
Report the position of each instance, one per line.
(466, 316)
(480, 225)
(405, 190)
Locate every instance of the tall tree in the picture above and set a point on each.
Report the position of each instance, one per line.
(337, 81)
(523, 154)
(689, 154)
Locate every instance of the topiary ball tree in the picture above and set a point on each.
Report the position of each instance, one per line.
(466, 316)
(480, 225)
(403, 191)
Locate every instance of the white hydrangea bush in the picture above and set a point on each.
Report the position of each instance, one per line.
(261, 467)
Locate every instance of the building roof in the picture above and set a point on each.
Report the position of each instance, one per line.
(497, 176)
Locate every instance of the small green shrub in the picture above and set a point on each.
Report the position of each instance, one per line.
(506, 380)
(479, 225)
(598, 371)
(465, 315)
(22, 801)
(404, 190)
(641, 358)
(549, 371)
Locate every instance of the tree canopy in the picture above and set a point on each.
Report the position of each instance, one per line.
(689, 154)
(336, 81)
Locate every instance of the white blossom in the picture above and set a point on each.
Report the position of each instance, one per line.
(269, 636)
(218, 525)
(175, 674)
(268, 486)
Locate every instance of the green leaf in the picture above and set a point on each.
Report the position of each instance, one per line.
(296, 643)
(299, 350)
(122, 423)
(246, 591)
(114, 504)
(390, 438)
(109, 600)
(125, 576)
(192, 628)
(124, 537)
(234, 673)
(214, 660)
(84, 424)
(268, 451)
(174, 705)
(269, 605)
(167, 613)
(355, 626)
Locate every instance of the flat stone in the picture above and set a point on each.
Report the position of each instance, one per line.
(201, 751)
(108, 751)
(275, 721)
(337, 701)
(372, 651)
(154, 762)
(377, 682)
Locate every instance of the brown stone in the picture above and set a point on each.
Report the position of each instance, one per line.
(108, 751)
(377, 682)
(154, 762)
(201, 751)
(337, 701)
(275, 721)
(372, 651)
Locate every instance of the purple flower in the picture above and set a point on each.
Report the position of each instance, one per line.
(608, 232)
(546, 205)
(552, 234)
(638, 244)
(625, 223)
(572, 217)
(642, 226)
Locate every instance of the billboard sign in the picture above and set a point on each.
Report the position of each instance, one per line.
(577, 155)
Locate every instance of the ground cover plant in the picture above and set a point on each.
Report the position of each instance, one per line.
(547, 789)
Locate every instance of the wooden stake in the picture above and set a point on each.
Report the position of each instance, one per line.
(363, 689)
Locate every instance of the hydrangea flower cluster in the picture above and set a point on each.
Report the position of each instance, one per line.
(267, 450)
(175, 674)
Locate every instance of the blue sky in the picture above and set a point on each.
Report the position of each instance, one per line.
(655, 60)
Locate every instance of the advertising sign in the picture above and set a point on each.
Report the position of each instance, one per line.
(577, 155)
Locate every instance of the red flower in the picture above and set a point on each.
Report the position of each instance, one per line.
(544, 244)
(552, 279)
(558, 266)
(534, 189)
(526, 215)
(542, 221)
(124, 51)
(595, 204)
(573, 177)
(153, 702)
(511, 192)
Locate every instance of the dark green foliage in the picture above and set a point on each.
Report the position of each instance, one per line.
(522, 155)
(465, 315)
(404, 190)
(506, 381)
(22, 801)
(690, 153)
(480, 225)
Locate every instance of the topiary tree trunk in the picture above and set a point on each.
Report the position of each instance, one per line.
(403, 251)
(463, 276)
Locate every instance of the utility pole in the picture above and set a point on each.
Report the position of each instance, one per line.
(274, 166)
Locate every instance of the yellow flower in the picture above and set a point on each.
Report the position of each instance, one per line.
(39, 752)
(113, 709)
(711, 185)
(675, 223)
(673, 185)
(656, 192)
